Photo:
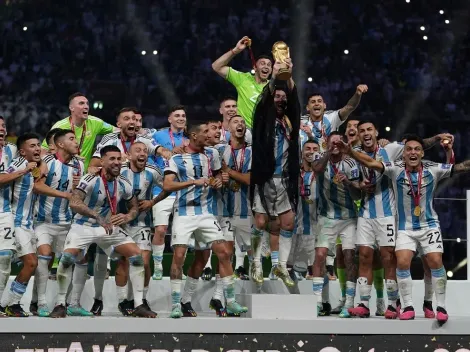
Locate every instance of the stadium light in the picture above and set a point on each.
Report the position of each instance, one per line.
(422, 28)
(310, 79)
(252, 72)
(450, 274)
(155, 52)
(458, 240)
(441, 12)
(407, 1)
(143, 52)
(387, 129)
(447, 21)
(346, 51)
(25, 28)
(425, 37)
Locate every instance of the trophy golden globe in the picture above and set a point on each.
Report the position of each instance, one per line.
(280, 54)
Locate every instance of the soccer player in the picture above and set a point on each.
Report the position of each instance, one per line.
(143, 178)
(248, 86)
(338, 187)
(414, 184)
(228, 109)
(25, 174)
(96, 221)
(321, 122)
(148, 132)
(54, 216)
(7, 236)
(171, 138)
(275, 170)
(190, 175)
(50, 140)
(85, 127)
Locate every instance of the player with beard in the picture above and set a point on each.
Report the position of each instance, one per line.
(248, 86)
(143, 178)
(321, 123)
(147, 132)
(414, 183)
(191, 174)
(228, 109)
(275, 170)
(338, 187)
(173, 139)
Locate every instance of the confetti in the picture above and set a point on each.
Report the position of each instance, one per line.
(300, 343)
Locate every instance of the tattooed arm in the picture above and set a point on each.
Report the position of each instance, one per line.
(429, 142)
(320, 165)
(353, 103)
(78, 206)
(133, 208)
(462, 167)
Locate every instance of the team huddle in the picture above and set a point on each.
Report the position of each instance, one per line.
(264, 181)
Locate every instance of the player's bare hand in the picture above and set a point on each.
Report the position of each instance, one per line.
(446, 136)
(224, 168)
(242, 44)
(367, 187)
(145, 205)
(31, 166)
(201, 182)
(361, 89)
(383, 142)
(178, 150)
(108, 227)
(276, 67)
(306, 128)
(75, 181)
(343, 147)
(216, 183)
(119, 219)
(225, 177)
(343, 178)
(94, 170)
(165, 153)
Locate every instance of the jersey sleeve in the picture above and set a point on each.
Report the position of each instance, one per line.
(235, 77)
(440, 171)
(16, 164)
(351, 169)
(394, 150)
(150, 143)
(101, 128)
(157, 178)
(390, 169)
(247, 162)
(334, 120)
(100, 146)
(128, 190)
(248, 137)
(86, 183)
(215, 162)
(171, 167)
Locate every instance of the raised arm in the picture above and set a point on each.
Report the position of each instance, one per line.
(319, 166)
(353, 103)
(429, 142)
(11, 177)
(362, 158)
(221, 64)
(462, 167)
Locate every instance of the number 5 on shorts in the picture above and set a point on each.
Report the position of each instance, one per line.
(390, 231)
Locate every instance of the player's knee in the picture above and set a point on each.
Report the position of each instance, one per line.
(160, 231)
(30, 263)
(320, 256)
(136, 260)
(261, 222)
(67, 259)
(403, 263)
(365, 255)
(388, 257)
(434, 262)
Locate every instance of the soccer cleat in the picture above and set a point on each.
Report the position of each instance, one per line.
(344, 313)
(428, 311)
(398, 306)
(442, 316)
(97, 307)
(272, 275)
(380, 312)
(126, 308)
(2, 312)
(16, 310)
(188, 310)
(241, 273)
(207, 274)
(297, 276)
(59, 311)
(43, 311)
(325, 310)
(78, 311)
(142, 312)
(339, 308)
(235, 308)
(283, 274)
(360, 311)
(158, 273)
(33, 308)
(216, 304)
(391, 313)
(256, 274)
(144, 302)
(408, 313)
(176, 312)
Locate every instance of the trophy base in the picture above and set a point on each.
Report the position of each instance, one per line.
(283, 74)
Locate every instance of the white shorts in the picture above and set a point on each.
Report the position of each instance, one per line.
(277, 198)
(162, 210)
(82, 236)
(25, 241)
(381, 231)
(329, 229)
(430, 240)
(51, 234)
(142, 236)
(7, 232)
(302, 252)
(205, 227)
(237, 229)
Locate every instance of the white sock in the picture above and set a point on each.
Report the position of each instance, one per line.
(405, 285)
(209, 261)
(256, 237)
(428, 288)
(239, 256)
(121, 292)
(219, 288)
(146, 290)
(78, 281)
(175, 292)
(157, 255)
(350, 294)
(439, 282)
(64, 277)
(285, 245)
(100, 271)
(5, 269)
(41, 277)
(364, 290)
(136, 276)
(392, 292)
(17, 290)
(229, 288)
(130, 291)
(325, 293)
(189, 289)
(317, 285)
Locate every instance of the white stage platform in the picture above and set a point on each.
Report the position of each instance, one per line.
(274, 311)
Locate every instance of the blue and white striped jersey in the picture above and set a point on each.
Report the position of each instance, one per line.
(225, 136)
(60, 177)
(334, 200)
(281, 145)
(96, 198)
(382, 203)
(148, 132)
(115, 139)
(432, 173)
(306, 217)
(320, 129)
(8, 154)
(23, 199)
(236, 203)
(142, 185)
(193, 200)
(217, 201)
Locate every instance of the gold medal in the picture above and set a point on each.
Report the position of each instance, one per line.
(211, 181)
(308, 200)
(324, 145)
(336, 180)
(235, 186)
(36, 172)
(417, 211)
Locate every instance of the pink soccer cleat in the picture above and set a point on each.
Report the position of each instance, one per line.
(428, 311)
(442, 316)
(391, 313)
(360, 311)
(408, 313)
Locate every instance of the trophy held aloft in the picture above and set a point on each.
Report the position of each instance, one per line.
(280, 54)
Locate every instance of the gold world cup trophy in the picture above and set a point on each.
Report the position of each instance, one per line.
(280, 54)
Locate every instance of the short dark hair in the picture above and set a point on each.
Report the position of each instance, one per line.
(109, 148)
(74, 95)
(336, 133)
(413, 137)
(213, 120)
(310, 141)
(126, 109)
(61, 133)
(194, 126)
(25, 137)
(176, 107)
(2, 118)
(50, 135)
(136, 111)
(362, 122)
(264, 56)
(227, 98)
(314, 94)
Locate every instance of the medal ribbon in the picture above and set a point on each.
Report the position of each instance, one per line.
(416, 195)
(234, 156)
(172, 138)
(76, 164)
(123, 142)
(321, 130)
(82, 138)
(112, 200)
(285, 128)
(335, 168)
(370, 173)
